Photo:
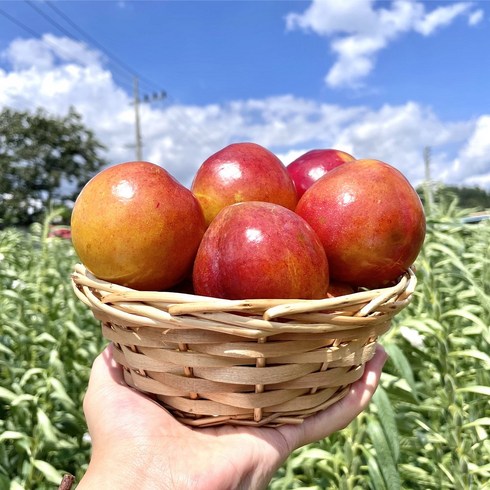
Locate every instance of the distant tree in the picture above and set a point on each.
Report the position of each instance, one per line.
(44, 161)
(467, 197)
(471, 197)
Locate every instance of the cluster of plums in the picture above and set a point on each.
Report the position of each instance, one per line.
(251, 227)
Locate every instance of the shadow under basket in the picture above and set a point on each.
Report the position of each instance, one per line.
(261, 362)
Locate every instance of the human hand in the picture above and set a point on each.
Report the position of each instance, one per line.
(138, 444)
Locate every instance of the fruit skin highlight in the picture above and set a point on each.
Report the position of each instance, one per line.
(370, 221)
(313, 164)
(242, 172)
(135, 225)
(260, 250)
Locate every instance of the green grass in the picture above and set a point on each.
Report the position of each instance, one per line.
(427, 427)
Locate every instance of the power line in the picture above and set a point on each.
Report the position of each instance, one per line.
(183, 121)
(48, 18)
(37, 34)
(157, 95)
(67, 33)
(92, 40)
(20, 24)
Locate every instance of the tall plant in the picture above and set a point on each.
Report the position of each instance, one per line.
(47, 344)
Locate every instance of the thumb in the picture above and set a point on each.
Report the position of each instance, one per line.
(105, 375)
(107, 393)
(340, 414)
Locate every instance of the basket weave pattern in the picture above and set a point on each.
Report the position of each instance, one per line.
(256, 362)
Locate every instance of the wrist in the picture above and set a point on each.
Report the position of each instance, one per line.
(159, 470)
(128, 470)
(152, 468)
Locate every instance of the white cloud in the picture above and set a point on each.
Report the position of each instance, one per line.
(474, 155)
(440, 17)
(28, 53)
(356, 59)
(358, 30)
(23, 53)
(475, 17)
(181, 137)
(330, 17)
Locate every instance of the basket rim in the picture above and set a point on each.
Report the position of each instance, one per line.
(154, 308)
(83, 276)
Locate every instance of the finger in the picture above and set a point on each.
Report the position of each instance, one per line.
(105, 373)
(105, 378)
(340, 414)
(109, 401)
(106, 383)
(107, 388)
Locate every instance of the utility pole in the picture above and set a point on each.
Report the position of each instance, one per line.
(136, 101)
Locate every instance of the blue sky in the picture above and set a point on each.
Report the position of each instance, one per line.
(377, 79)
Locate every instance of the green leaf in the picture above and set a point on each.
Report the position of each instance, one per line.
(481, 421)
(10, 293)
(4, 481)
(480, 390)
(403, 367)
(428, 326)
(45, 337)
(20, 399)
(431, 434)
(464, 313)
(375, 474)
(73, 328)
(449, 253)
(24, 443)
(386, 417)
(482, 470)
(28, 374)
(475, 354)
(315, 453)
(46, 426)
(417, 475)
(384, 455)
(447, 472)
(60, 392)
(50, 472)
(4, 349)
(7, 395)
(12, 435)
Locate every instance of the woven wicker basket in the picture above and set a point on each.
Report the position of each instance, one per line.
(260, 362)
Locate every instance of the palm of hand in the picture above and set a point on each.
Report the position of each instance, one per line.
(134, 437)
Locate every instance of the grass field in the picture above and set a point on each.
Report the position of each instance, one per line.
(427, 427)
